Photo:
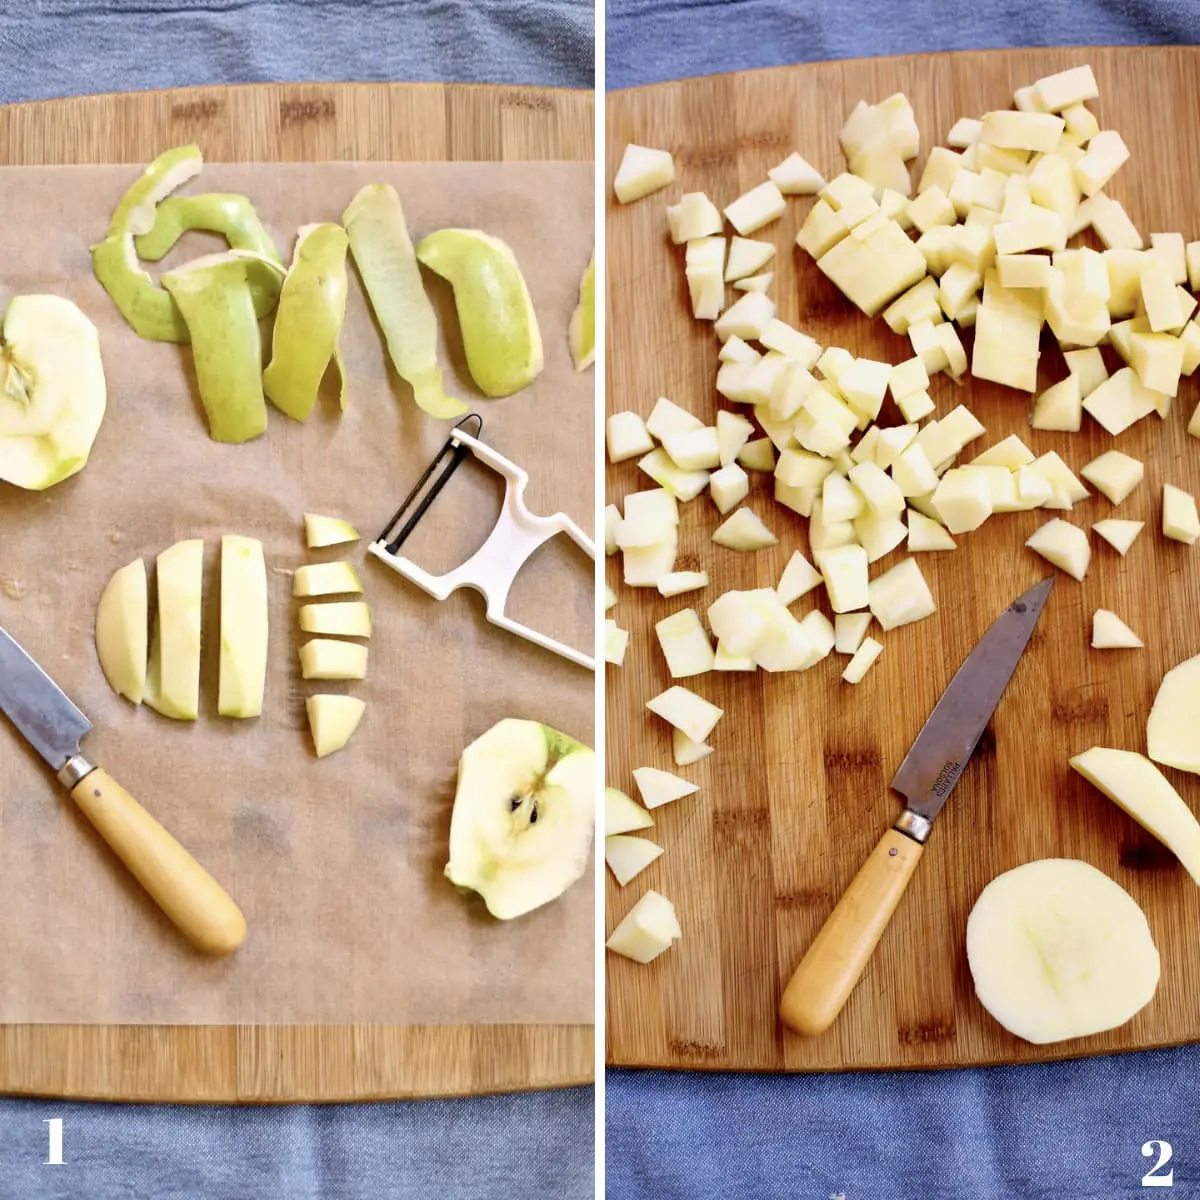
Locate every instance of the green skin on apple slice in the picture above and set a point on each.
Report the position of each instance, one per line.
(524, 816)
(312, 307)
(582, 334)
(232, 216)
(384, 255)
(213, 295)
(52, 391)
(499, 327)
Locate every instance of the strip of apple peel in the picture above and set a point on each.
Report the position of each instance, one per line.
(387, 262)
(230, 215)
(214, 297)
(312, 308)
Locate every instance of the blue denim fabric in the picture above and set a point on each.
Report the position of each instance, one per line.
(537, 1147)
(1069, 1131)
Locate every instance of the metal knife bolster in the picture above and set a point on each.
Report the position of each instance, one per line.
(912, 825)
(74, 771)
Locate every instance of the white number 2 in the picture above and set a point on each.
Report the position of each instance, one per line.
(55, 1156)
(1152, 1178)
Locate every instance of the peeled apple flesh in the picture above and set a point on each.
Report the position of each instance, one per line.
(244, 627)
(1175, 717)
(322, 531)
(121, 639)
(387, 262)
(173, 674)
(650, 927)
(333, 721)
(1057, 951)
(623, 814)
(53, 395)
(582, 331)
(524, 812)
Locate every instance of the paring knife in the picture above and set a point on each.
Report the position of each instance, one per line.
(177, 883)
(828, 973)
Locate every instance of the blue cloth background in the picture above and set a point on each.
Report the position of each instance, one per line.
(537, 1147)
(1073, 1130)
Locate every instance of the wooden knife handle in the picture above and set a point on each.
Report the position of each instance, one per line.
(177, 883)
(828, 973)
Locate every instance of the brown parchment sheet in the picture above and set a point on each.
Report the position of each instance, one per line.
(337, 863)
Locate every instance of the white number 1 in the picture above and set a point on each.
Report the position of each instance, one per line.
(55, 1159)
(1152, 1178)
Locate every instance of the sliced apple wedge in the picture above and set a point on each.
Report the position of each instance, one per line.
(326, 579)
(322, 531)
(333, 721)
(244, 627)
(327, 658)
(629, 856)
(650, 927)
(686, 711)
(1136, 785)
(623, 814)
(1109, 632)
(173, 674)
(661, 787)
(121, 631)
(343, 618)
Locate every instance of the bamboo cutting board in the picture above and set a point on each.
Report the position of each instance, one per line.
(796, 793)
(261, 1063)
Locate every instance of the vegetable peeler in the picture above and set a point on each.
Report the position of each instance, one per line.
(493, 567)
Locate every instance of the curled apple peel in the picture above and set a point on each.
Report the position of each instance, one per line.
(232, 216)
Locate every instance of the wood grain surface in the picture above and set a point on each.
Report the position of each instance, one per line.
(796, 793)
(283, 123)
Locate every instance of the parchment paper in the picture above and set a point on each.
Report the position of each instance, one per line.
(336, 863)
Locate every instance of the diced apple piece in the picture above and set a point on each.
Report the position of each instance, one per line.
(744, 530)
(667, 417)
(677, 582)
(1022, 130)
(343, 618)
(173, 673)
(644, 566)
(963, 499)
(755, 283)
(747, 317)
(747, 256)
(693, 218)
(840, 499)
(863, 660)
(1158, 360)
(651, 518)
(1088, 366)
(326, 658)
(900, 596)
(1115, 474)
(1106, 155)
(121, 638)
(1109, 632)
(685, 644)
(627, 437)
(799, 578)
(616, 640)
(683, 485)
(327, 531)
(1158, 295)
(725, 661)
(333, 721)
(733, 431)
(849, 631)
(1175, 717)
(879, 535)
(796, 177)
(1060, 407)
(1055, 93)
(1121, 400)
(915, 405)
(881, 493)
(326, 579)
(1170, 247)
(694, 449)
(728, 487)
(844, 569)
(1138, 787)
(1010, 453)
(1180, 521)
(756, 208)
(740, 620)
(629, 856)
(649, 929)
(622, 814)
(1064, 545)
(661, 787)
(966, 131)
(925, 534)
(686, 711)
(1119, 534)
(685, 751)
(642, 171)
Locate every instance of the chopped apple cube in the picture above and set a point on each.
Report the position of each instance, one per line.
(627, 437)
(1036, 229)
(913, 473)
(333, 721)
(683, 485)
(677, 582)
(932, 207)
(1022, 130)
(1158, 294)
(1064, 545)
(744, 530)
(326, 579)
(644, 566)
(755, 283)
(694, 449)
(628, 857)
(610, 598)
(1060, 91)
(616, 640)
(1121, 401)
(1081, 122)
(1158, 360)
(878, 535)
(661, 787)
(612, 522)
(756, 208)
(757, 455)
(798, 579)
(651, 518)
(873, 272)
(327, 531)
(747, 317)
(844, 569)
(684, 710)
(1088, 365)
(1115, 474)
(1060, 476)
(642, 171)
(863, 660)
(926, 534)
(685, 644)
(799, 347)
(343, 618)
(796, 177)
(878, 489)
(915, 405)
(325, 658)
(890, 444)
(694, 217)
(840, 499)
(963, 499)
(900, 596)
(1118, 534)
(1180, 522)
(622, 814)
(747, 256)
(649, 929)
(666, 418)
(849, 630)
(1170, 247)
(685, 751)
(733, 431)
(728, 487)
(1109, 632)
(1106, 155)
(966, 131)
(1060, 407)
(1011, 453)
(1024, 270)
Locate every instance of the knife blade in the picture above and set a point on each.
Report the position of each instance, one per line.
(48, 720)
(833, 964)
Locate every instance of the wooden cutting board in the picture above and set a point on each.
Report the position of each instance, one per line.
(425, 122)
(796, 793)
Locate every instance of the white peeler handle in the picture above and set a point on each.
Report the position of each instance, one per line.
(493, 567)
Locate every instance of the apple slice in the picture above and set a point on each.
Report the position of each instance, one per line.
(326, 579)
(744, 530)
(863, 660)
(685, 644)
(1064, 545)
(675, 583)
(683, 709)
(799, 578)
(1136, 785)
(649, 929)
(661, 787)
(121, 639)
(629, 856)
(581, 333)
(343, 618)
(1175, 717)
(244, 627)
(622, 814)
(643, 170)
(1057, 950)
(1180, 521)
(327, 531)
(616, 641)
(173, 674)
(1118, 534)
(327, 658)
(1109, 632)
(685, 751)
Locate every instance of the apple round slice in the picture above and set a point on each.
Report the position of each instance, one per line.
(52, 391)
(1057, 950)
(524, 816)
